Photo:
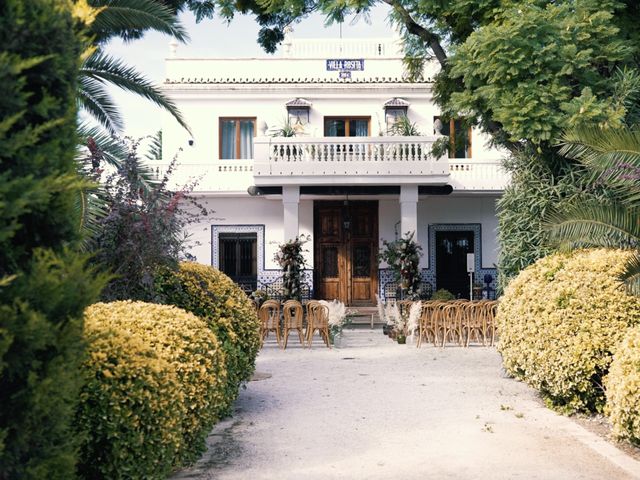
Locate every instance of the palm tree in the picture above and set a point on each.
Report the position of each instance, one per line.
(127, 19)
(612, 159)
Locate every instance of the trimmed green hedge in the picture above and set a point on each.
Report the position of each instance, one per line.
(211, 295)
(559, 323)
(623, 388)
(155, 379)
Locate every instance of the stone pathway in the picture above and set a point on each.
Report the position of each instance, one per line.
(378, 410)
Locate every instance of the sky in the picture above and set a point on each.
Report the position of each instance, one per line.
(215, 38)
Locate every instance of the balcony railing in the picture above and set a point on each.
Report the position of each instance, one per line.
(354, 160)
(477, 175)
(344, 161)
(220, 176)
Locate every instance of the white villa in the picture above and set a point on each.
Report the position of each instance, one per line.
(343, 180)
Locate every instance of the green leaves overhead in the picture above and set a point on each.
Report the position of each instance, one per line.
(129, 19)
(541, 67)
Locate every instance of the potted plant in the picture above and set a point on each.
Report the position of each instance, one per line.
(339, 317)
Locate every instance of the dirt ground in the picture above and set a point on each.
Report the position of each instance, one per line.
(378, 410)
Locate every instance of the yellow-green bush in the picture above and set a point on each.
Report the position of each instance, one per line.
(560, 321)
(211, 295)
(623, 388)
(154, 384)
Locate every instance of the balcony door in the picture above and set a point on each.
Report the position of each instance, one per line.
(345, 250)
(347, 126)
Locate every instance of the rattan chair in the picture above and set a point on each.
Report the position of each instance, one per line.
(428, 325)
(293, 314)
(491, 308)
(473, 322)
(318, 320)
(269, 315)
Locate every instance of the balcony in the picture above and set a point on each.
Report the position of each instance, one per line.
(347, 161)
(344, 161)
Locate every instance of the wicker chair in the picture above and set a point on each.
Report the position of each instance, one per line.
(269, 315)
(317, 320)
(473, 322)
(428, 323)
(293, 313)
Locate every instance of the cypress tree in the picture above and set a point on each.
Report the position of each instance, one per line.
(44, 284)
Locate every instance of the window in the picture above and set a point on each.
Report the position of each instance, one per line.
(346, 126)
(238, 257)
(392, 115)
(236, 137)
(459, 136)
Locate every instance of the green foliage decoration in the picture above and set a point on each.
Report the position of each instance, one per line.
(44, 284)
(291, 260)
(443, 295)
(214, 297)
(403, 257)
(623, 388)
(560, 321)
(155, 379)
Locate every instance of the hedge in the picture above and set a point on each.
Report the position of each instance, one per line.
(623, 388)
(211, 295)
(154, 384)
(560, 321)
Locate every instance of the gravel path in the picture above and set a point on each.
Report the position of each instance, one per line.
(378, 410)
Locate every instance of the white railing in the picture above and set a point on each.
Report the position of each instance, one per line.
(316, 161)
(219, 176)
(374, 160)
(479, 175)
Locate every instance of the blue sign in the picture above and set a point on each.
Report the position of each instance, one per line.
(344, 74)
(337, 65)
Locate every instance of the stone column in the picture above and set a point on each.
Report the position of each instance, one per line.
(409, 210)
(290, 201)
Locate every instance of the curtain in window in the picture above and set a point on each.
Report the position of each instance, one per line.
(228, 139)
(246, 139)
(361, 127)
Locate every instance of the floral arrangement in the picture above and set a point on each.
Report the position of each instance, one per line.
(403, 257)
(289, 257)
(403, 324)
(339, 317)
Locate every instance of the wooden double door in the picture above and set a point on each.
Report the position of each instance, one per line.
(346, 250)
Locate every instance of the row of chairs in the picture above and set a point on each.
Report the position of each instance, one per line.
(282, 321)
(457, 321)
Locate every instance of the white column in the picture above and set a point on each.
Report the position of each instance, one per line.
(409, 210)
(290, 201)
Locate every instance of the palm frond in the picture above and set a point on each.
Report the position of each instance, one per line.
(95, 100)
(104, 68)
(155, 147)
(631, 274)
(111, 148)
(129, 19)
(603, 150)
(592, 224)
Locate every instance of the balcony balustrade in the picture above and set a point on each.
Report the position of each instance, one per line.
(339, 161)
(347, 161)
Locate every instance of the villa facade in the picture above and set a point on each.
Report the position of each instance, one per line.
(303, 144)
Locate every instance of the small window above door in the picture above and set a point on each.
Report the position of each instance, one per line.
(347, 126)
